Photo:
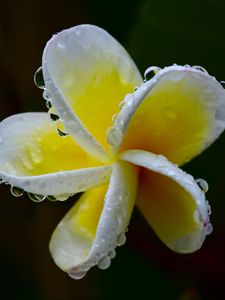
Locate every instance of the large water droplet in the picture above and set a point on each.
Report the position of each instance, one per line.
(114, 136)
(77, 275)
(104, 263)
(150, 72)
(112, 254)
(39, 79)
(16, 192)
(202, 184)
(54, 117)
(48, 104)
(1, 181)
(36, 198)
(51, 198)
(62, 197)
(121, 240)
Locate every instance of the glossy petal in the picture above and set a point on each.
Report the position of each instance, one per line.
(86, 69)
(30, 147)
(90, 231)
(171, 201)
(178, 113)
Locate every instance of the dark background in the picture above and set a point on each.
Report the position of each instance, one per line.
(155, 33)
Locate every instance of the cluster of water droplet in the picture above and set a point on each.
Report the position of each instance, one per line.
(40, 83)
(203, 185)
(18, 192)
(102, 262)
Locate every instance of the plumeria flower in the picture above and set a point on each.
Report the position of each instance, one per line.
(120, 141)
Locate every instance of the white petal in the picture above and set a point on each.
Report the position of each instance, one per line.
(22, 166)
(71, 61)
(190, 241)
(76, 254)
(60, 183)
(212, 91)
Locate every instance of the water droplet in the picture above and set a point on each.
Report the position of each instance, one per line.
(46, 95)
(112, 254)
(60, 129)
(121, 104)
(202, 184)
(200, 68)
(48, 104)
(62, 197)
(150, 72)
(54, 117)
(1, 181)
(51, 198)
(16, 192)
(187, 66)
(77, 275)
(114, 118)
(104, 263)
(36, 198)
(39, 79)
(61, 133)
(222, 83)
(209, 229)
(114, 136)
(121, 240)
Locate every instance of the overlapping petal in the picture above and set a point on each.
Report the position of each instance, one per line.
(87, 70)
(35, 158)
(93, 228)
(178, 113)
(171, 201)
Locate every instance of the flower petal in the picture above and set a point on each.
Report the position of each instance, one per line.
(30, 147)
(178, 113)
(171, 201)
(89, 233)
(86, 69)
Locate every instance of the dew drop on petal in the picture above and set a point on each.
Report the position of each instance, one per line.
(48, 104)
(112, 254)
(77, 275)
(54, 117)
(150, 72)
(62, 197)
(16, 192)
(39, 79)
(104, 263)
(114, 118)
(114, 136)
(51, 198)
(60, 129)
(121, 240)
(200, 68)
(1, 181)
(46, 95)
(36, 198)
(222, 83)
(202, 184)
(209, 229)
